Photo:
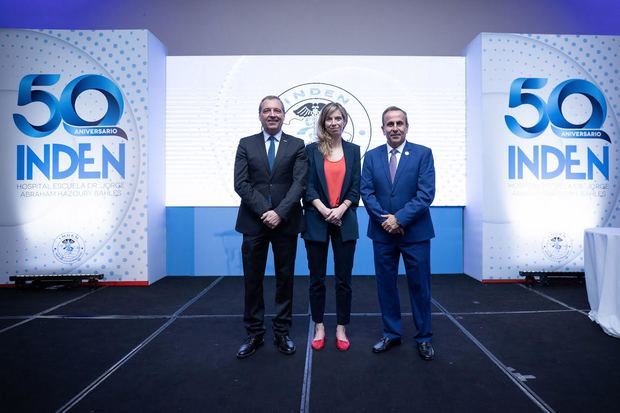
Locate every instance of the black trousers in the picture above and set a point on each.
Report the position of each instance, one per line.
(344, 252)
(254, 255)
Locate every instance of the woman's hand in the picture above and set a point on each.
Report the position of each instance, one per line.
(335, 214)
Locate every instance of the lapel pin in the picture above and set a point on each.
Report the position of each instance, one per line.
(407, 153)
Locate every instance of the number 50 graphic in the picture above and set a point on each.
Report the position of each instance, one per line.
(551, 111)
(64, 109)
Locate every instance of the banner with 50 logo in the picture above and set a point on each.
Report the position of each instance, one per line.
(551, 111)
(64, 110)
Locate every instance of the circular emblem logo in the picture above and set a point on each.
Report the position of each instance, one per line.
(304, 102)
(557, 246)
(68, 247)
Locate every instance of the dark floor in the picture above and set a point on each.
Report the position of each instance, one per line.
(171, 347)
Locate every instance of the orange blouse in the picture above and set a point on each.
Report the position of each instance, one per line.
(334, 176)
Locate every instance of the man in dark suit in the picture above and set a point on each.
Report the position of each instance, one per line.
(398, 187)
(270, 178)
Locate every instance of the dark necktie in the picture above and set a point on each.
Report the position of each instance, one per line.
(393, 164)
(271, 152)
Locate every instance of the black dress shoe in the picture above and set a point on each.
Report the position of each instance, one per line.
(385, 344)
(425, 350)
(285, 344)
(249, 346)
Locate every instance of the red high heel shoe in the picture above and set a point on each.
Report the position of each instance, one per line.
(342, 345)
(318, 344)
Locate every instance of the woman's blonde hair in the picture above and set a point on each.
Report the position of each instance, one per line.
(324, 138)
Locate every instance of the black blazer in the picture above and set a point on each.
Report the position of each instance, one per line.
(316, 226)
(261, 191)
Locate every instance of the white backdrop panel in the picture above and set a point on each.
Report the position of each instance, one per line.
(212, 102)
(543, 187)
(82, 219)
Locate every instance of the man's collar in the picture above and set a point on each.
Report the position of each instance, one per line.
(278, 135)
(400, 148)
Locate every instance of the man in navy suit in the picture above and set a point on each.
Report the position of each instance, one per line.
(270, 178)
(398, 187)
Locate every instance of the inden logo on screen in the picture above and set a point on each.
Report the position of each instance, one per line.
(57, 160)
(304, 102)
(569, 160)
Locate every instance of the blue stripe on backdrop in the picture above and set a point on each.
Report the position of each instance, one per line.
(180, 240)
(202, 241)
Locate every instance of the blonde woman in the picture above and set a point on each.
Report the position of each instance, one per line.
(330, 204)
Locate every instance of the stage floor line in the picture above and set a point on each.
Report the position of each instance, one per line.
(171, 347)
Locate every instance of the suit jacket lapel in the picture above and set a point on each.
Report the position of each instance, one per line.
(348, 159)
(259, 143)
(384, 161)
(282, 148)
(320, 167)
(405, 158)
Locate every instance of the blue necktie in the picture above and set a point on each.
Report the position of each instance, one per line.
(271, 153)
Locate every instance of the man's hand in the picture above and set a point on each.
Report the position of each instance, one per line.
(271, 219)
(391, 225)
(398, 231)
